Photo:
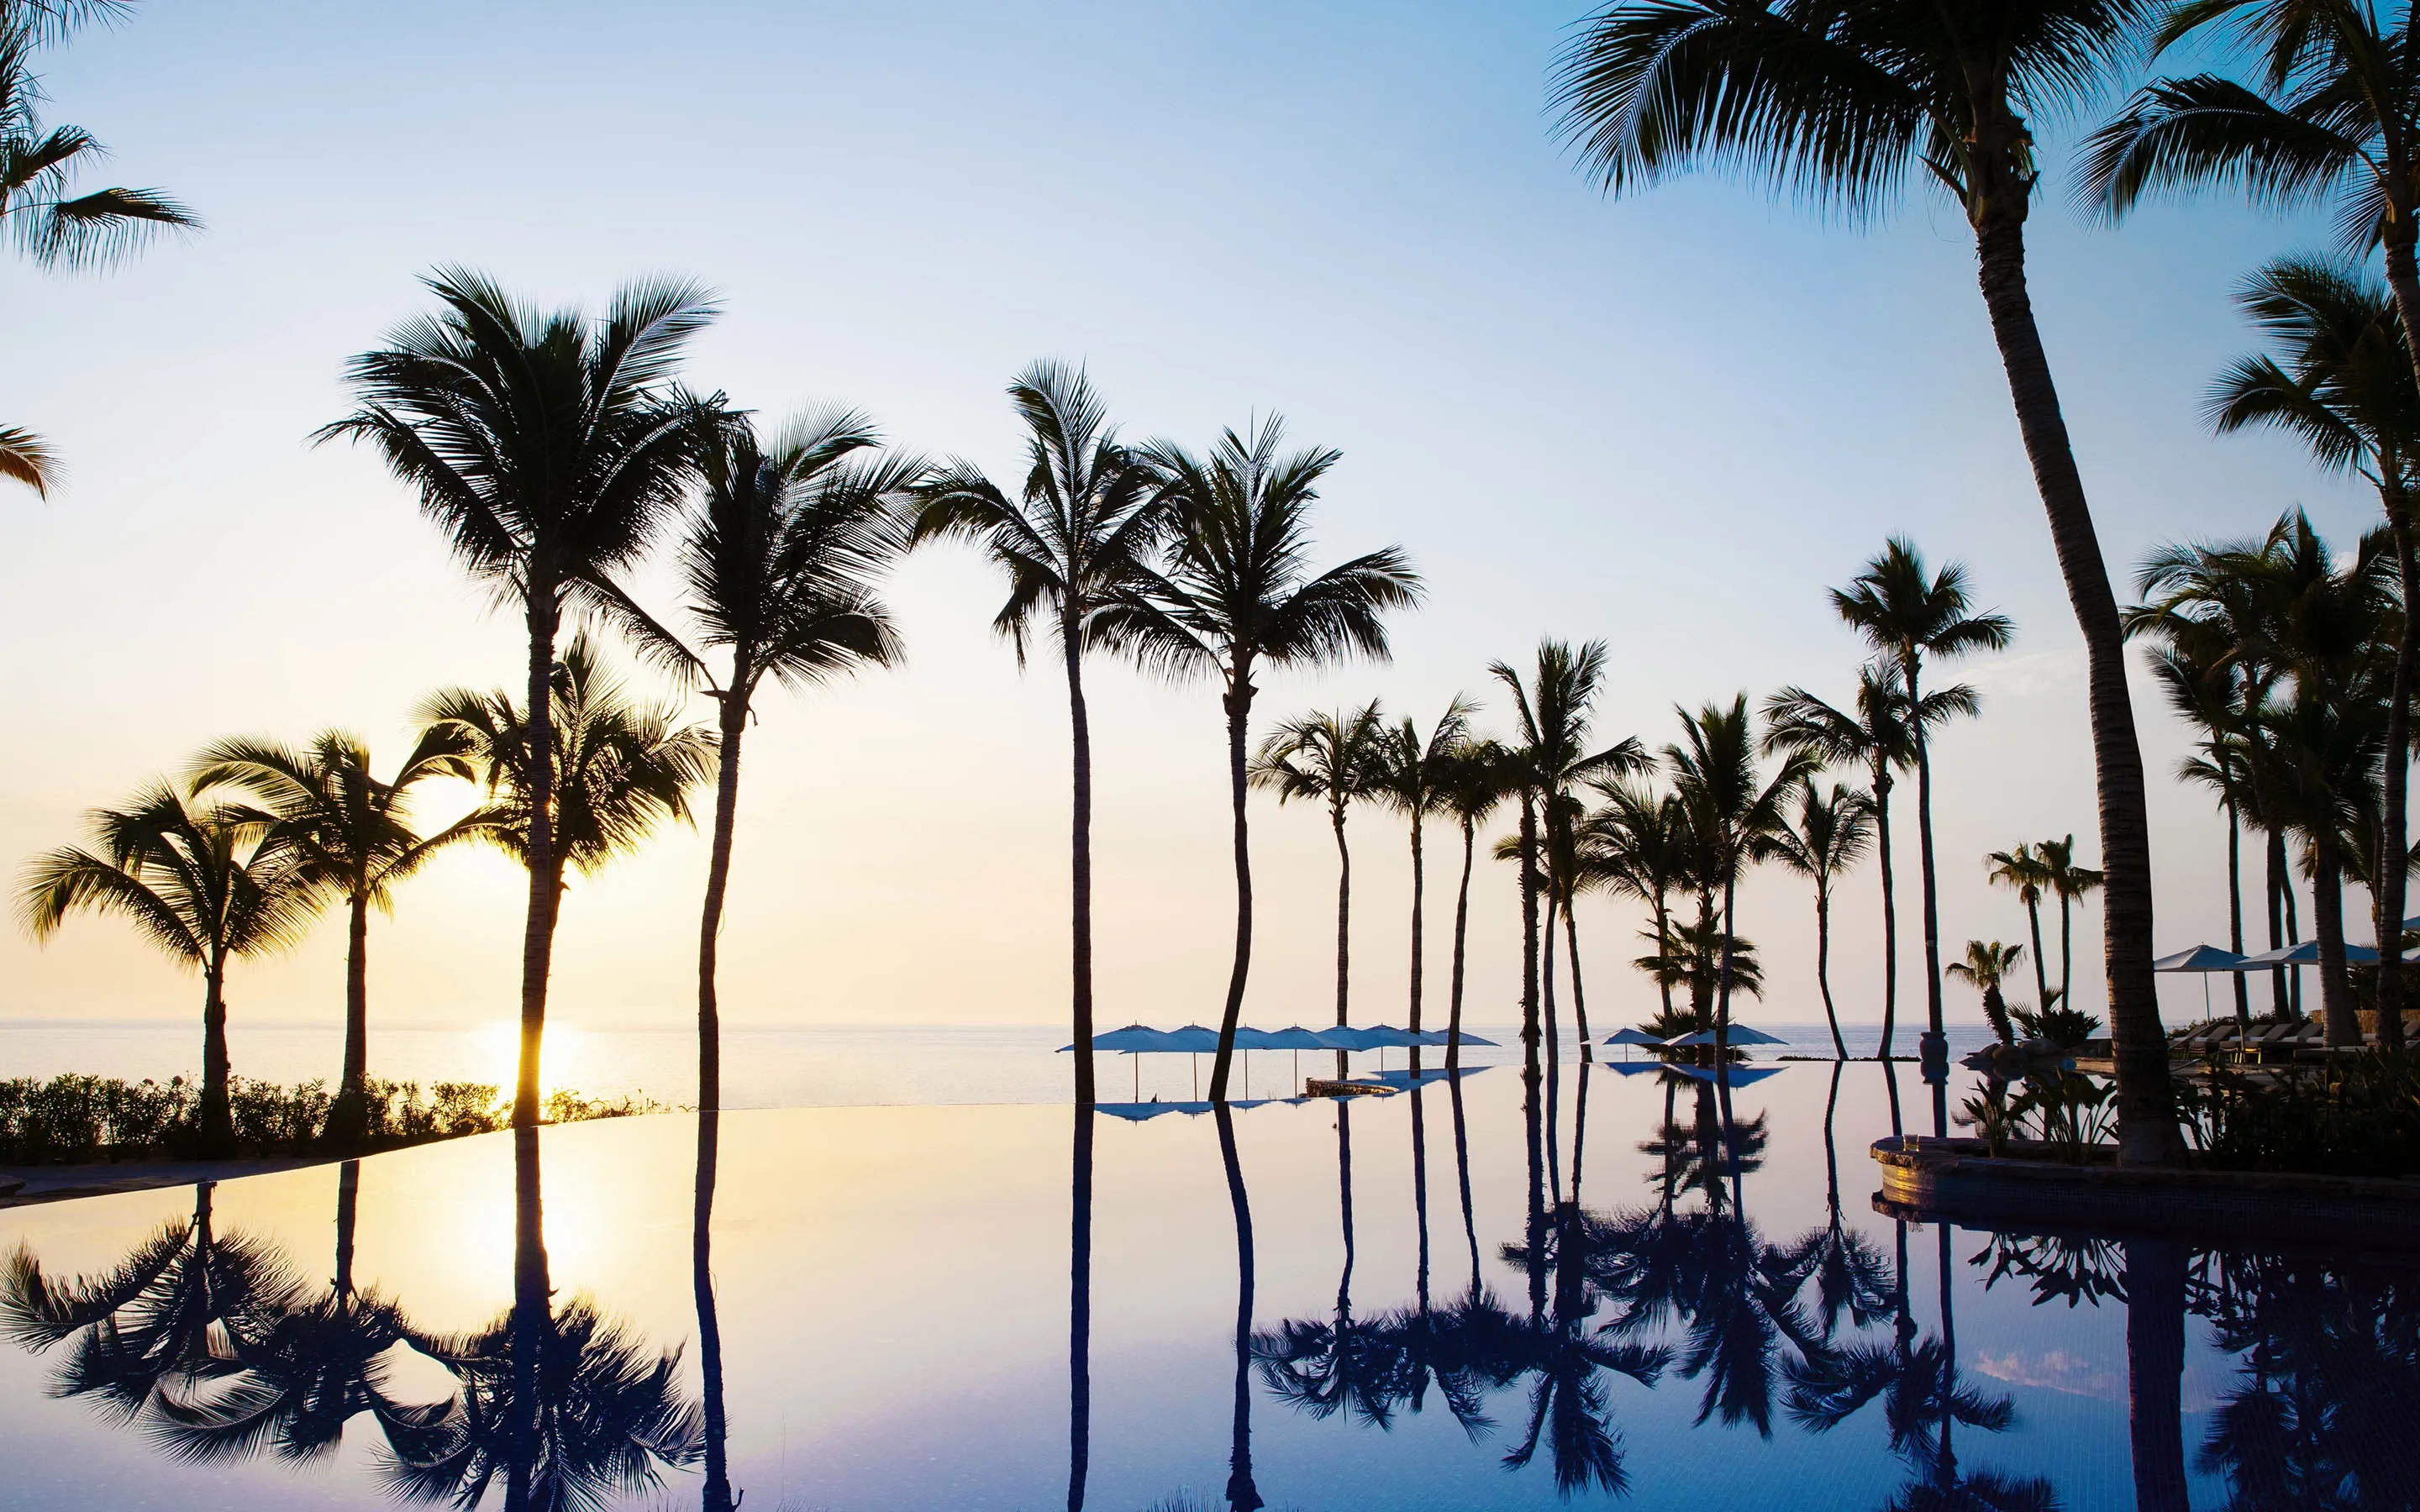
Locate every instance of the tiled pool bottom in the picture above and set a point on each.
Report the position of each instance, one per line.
(1678, 1320)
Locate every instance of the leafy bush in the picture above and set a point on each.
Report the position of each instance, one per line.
(2067, 1028)
(2355, 1115)
(74, 1119)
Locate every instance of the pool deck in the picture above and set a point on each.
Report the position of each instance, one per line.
(23, 1184)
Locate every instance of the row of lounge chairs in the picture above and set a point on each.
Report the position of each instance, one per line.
(2226, 1041)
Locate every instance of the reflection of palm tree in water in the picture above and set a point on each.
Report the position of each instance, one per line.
(1844, 1266)
(1345, 1363)
(717, 1495)
(1080, 1309)
(1242, 1494)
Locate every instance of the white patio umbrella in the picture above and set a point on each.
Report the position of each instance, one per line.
(2204, 959)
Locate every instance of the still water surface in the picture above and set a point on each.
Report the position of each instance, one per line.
(1453, 1298)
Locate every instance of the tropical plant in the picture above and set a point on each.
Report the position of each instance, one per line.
(1846, 105)
(1829, 833)
(1876, 735)
(2021, 870)
(1633, 844)
(1413, 776)
(1987, 966)
(1738, 814)
(778, 559)
(1477, 779)
(619, 769)
(2070, 883)
(1238, 594)
(548, 448)
(1071, 543)
(2339, 380)
(1908, 613)
(1331, 760)
(208, 883)
(352, 832)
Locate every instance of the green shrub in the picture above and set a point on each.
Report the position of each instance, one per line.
(2355, 1115)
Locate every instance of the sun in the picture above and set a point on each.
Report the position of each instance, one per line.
(568, 1052)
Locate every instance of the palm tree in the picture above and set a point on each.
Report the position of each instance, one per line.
(1476, 779)
(1329, 759)
(2021, 870)
(1846, 105)
(208, 883)
(1549, 758)
(546, 448)
(1739, 814)
(1073, 541)
(778, 559)
(2070, 881)
(1830, 833)
(1906, 614)
(353, 833)
(1413, 776)
(26, 459)
(1987, 966)
(2340, 380)
(1635, 845)
(619, 769)
(1236, 594)
(1878, 736)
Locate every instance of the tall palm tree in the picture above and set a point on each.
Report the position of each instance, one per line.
(1987, 966)
(1907, 614)
(1847, 105)
(1829, 833)
(1550, 756)
(2069, 882)
(1238, 593)
(1078, 534)
(548, 448)
(1413, 776)
(1329, 759)
(1876, 734)
(2021, 870)
(353, 832)
(2339, 378)
(619, 769)
(1477, 780)
(50, 225)
(1634, 843)
(1739, 812)
(208, 882)
(779, 560)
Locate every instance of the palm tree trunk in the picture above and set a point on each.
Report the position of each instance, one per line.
(1080, 1309)
(217, 1112)
(533, 1288)
(2066, 952)
(2396, 765)
(717, 882)
(2155, 1365)
(1242, 1494)
(2274, 852)
(1344, 1202)
(1420, 886)
(348, 1118)
(2042, 967)
(1080, 863)
(1547, 997)
(2293, 927)
(1664, 949)
(1461, 929)
(1343, 924)
(1580, 995)
(1239, 712)
(1530, 929)
(538, 931)
(1891, 905)
(2335, 984)
(348, 1208)
(717, 1495)
(1462, 1169)
(1824, 968)
(2147, 1115)
(1723, 983)
(1933, 1047)
(2235, 910)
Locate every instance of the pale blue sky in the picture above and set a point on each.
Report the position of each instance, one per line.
(1670, 422)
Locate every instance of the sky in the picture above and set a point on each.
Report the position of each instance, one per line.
(1669, 422)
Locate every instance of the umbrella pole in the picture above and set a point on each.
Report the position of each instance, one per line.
(1138, 1066)
(1197, 1078)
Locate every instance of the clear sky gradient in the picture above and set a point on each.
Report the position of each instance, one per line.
(1670, 422)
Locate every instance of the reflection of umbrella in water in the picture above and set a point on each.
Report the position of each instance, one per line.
(1736, 1075)
(1404, 1079)
(1145, 1112)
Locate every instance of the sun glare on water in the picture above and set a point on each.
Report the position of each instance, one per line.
(566, 1055)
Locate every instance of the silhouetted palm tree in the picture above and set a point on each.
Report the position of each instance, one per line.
(208, 882)
(1075, 537)
(779, 560)
(1344, 1363)
(2070, 881)
(1738, 813)
(1478, 779)
(1329, 759)
(1635, 845)
(26, 459)
(1243, 1495)
(352, 832)
(548, 448)
(715, 1423)
(1907, 614)
(2020, 871)
(1987, 966)
(1848, 1273)
(1829, 834)
(1238, 594)
(1878, 736)
(1415, 776)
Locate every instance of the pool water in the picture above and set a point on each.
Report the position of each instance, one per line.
(1459, 1296)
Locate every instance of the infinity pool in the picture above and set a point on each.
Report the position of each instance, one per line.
(1454, 1297)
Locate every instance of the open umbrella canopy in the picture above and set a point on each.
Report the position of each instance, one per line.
(1293, 1036)
(1740, 1034)
(2305, 954)
(1134, 1039)
(2200, 958)
(1194, 1038)
(1639, 1037)
(1344, 1037)
(1247, 1037)
(1439, 1037)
